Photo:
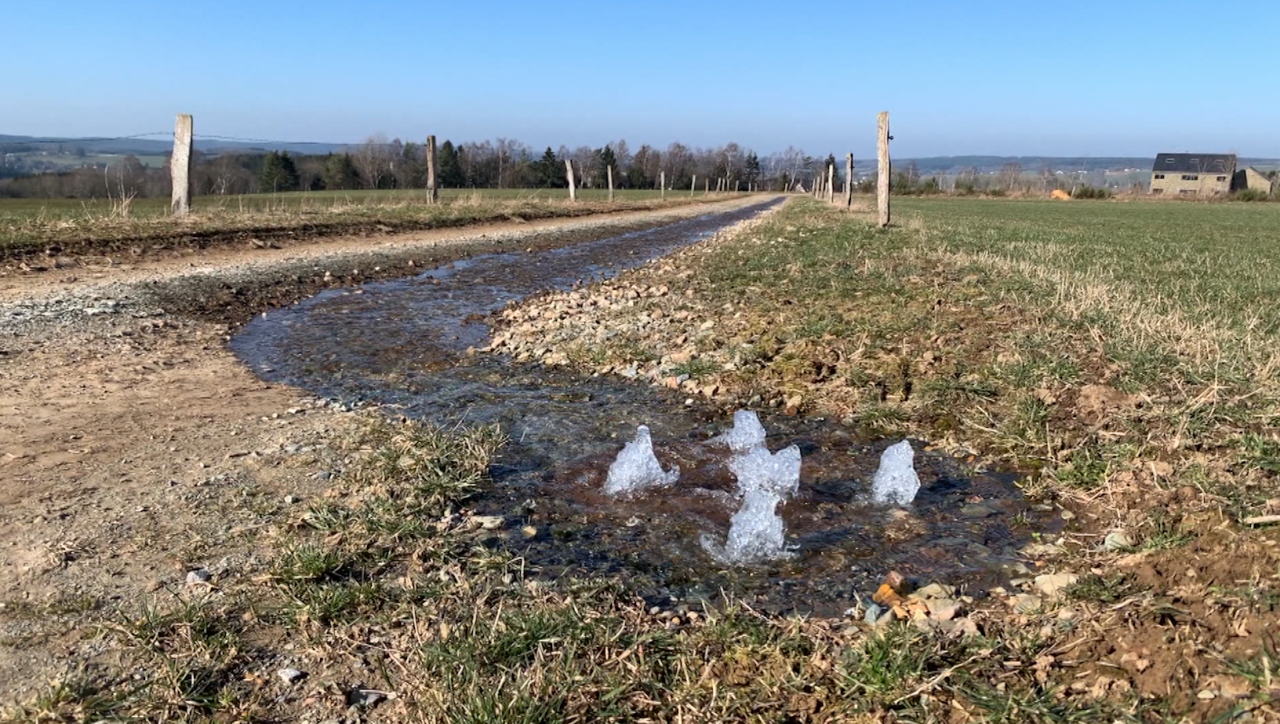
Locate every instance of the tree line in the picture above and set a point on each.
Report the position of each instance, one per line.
(381, 164)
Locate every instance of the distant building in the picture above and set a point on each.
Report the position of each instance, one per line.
(1251, 178)
(1193, 174)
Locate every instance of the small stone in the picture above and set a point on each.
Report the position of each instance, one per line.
(873, 613)
(1053, 585)
(1027, 603)
(199, 577)
(977, 510)
(291, 499)
(1116, 540)
(942, 609)
(529, 532)
(936, 590)
(485, 522)
(290, 675)
(1207, 694)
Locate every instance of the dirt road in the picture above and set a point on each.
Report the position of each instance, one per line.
(135, 448)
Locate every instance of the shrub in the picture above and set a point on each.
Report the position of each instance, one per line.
(1085, 191)
(1251, 195)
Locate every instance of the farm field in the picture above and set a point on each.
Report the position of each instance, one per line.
(29, 226)
(1119, 358)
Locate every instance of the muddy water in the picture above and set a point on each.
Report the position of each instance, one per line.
(403, 344)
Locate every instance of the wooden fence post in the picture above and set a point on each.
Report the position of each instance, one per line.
(609, 171)
(180, 165)
(882, 159)
(831, 183)
(693, 185)
(433, 193)
(662, 183)
(706, 186)
(737, 184)
(848, 180)
(568, 172)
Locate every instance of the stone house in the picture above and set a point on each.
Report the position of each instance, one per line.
(1251, 178)
(1198, 174)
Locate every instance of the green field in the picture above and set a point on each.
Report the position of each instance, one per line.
(298, 200)
(31, 225)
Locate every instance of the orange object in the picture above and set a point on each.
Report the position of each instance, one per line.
(1060, 195)
(886, 596)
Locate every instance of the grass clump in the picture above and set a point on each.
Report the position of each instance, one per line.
(423, 467)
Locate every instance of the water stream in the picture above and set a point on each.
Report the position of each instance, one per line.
(403, 344)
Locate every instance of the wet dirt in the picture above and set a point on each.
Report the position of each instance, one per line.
(406, 345)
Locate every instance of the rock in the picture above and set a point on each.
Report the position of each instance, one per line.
(1116, 540)
(290, 675)
(873, 613)
(291, 499)
(1027, 603)
(936, 590)
(942, 609)
(485, 522)
(1053, 585)
(977, 510)
(198, 577)
(529, 532)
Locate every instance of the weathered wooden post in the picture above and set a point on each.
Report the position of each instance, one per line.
(693, 185)
(882, 159)
(662, 183)
(848, 180)
(433, 194)
(831, 183)
(737, 184)
(609, 172)
(568, 172)
(706, 186)
(180, 165)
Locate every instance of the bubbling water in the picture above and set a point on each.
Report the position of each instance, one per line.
(896, 482)
(765, 480)
(637, 468)
(747, 432)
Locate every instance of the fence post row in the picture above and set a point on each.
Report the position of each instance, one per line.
(882, 159)
(433, 193)
(568, 172)
(180, 165)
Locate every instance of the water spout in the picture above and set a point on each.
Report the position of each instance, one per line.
(756, 532)
(637, 468)
(896, 482)
(747, 432)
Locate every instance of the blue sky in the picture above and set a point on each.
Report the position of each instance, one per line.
(1082, 77)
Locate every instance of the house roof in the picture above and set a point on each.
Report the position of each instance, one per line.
(1195, 163)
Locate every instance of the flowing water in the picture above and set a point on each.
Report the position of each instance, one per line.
(402, 344)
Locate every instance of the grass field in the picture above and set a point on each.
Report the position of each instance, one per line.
(29, 226)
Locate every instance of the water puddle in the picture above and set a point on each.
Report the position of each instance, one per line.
(403, 344)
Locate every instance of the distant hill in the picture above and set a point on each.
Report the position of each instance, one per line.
(944, 165)
(150, 147)
(927, 166)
